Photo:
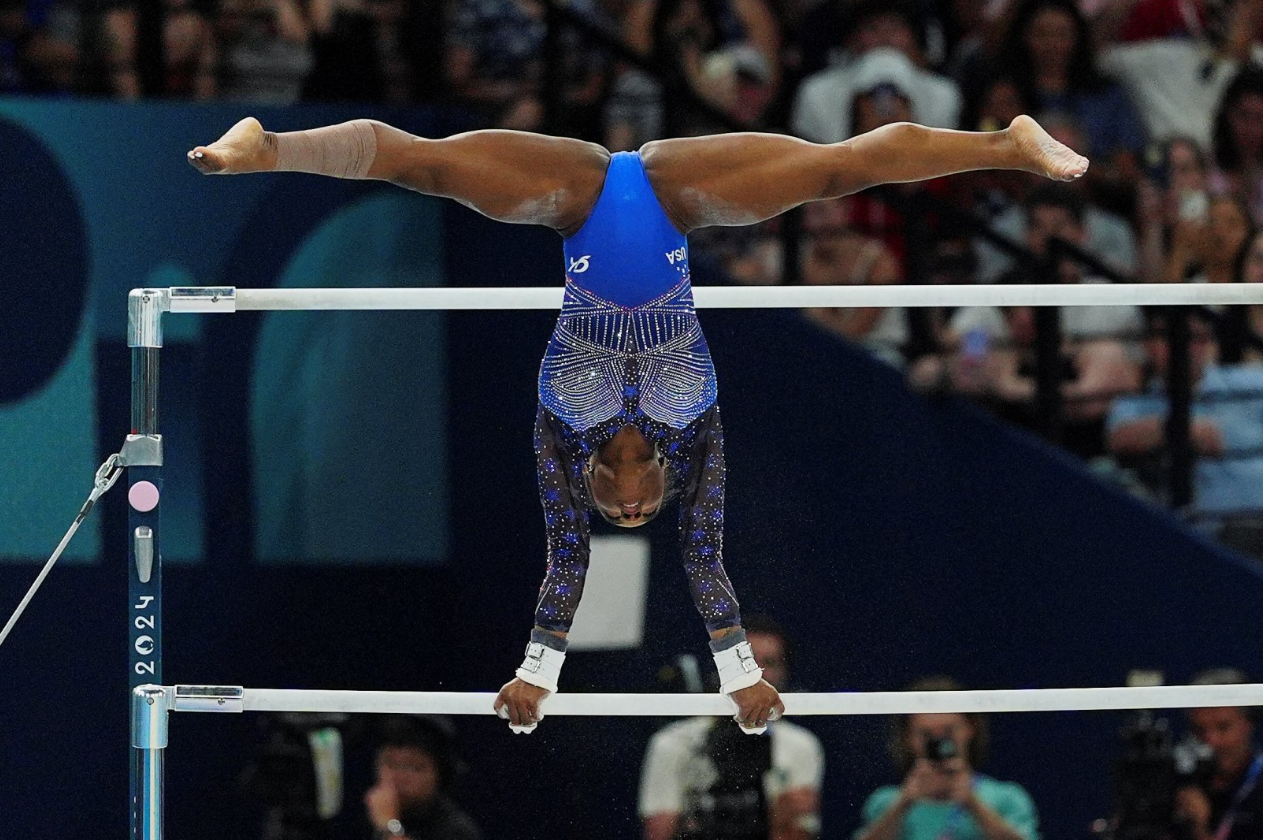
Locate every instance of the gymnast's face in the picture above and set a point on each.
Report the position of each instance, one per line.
(627, 479)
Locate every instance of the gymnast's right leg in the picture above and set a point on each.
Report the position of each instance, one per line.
(510, 176)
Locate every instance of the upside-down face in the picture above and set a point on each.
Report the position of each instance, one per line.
(627, 481)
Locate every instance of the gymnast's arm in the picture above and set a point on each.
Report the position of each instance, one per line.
(567, 529)
(510, 176)
(741, 179)
(703, 472)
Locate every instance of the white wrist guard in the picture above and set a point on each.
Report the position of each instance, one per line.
(541, 667)
(737, 668)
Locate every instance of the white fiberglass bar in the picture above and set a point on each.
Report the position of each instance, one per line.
(688, 705)
(738, 297)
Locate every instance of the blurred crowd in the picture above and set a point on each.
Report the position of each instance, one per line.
(1164, 96)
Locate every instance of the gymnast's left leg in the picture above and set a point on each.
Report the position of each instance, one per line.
(741, 179)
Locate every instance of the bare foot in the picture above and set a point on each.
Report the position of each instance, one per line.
(1042, 154)
(245, 147)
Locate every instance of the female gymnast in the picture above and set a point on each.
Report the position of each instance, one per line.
(627, 415)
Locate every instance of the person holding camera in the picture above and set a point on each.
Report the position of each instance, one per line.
(1228, 803)
(942, 796)
(702, 780)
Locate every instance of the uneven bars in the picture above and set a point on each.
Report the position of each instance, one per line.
(231, 299)
(188, 698)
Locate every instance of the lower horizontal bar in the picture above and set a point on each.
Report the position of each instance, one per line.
(770, 297)
(688, 705)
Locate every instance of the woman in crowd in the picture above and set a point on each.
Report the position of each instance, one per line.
(942, 794)
(1048, 50)
(1239, 140)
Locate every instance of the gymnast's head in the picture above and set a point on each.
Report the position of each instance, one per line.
(626, 479)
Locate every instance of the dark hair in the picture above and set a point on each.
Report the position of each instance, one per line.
(1015, 56)
(765, 624)
(1248, 81)
(901, 725)
(976, 95)
(1052, 194)
(433, 736)
(1227, 676)
(855, 15)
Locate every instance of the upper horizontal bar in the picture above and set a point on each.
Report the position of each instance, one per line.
(229, 299)
(688, 705)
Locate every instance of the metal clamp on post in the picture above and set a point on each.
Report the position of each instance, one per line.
(210, 698)
(144, 316)
(150, 704)
(141, 451)
(203, 298)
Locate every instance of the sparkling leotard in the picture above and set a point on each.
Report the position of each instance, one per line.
(628, 350)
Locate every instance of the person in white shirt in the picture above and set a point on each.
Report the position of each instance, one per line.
(699, 783)
(1176, 83)
(884, 50)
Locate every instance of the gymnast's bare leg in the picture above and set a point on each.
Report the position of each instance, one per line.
(727, 179)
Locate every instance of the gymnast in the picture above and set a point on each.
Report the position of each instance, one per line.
(627, 416)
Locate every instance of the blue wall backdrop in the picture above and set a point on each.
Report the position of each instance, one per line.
(894, 536)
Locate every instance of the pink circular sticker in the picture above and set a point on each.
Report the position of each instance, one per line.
(143, 496)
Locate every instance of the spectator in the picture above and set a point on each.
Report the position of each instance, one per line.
(415, 765)
(266, 50)
(1226, 433)
(835, 255)
(1229, 805)
(991, 192)
(1106, 235)
(190, 52)
(1240, 323)
(1206, 245)
(942, 794)
(118, 38)
(38, 52)
(1001, 99)
(705, 780)
(1238, 140)
(1175, 186)
(836, 32)
(1048, 50)
(347, 49)
(494, 58)
(727, 53)
(1175, 81)
(990, 353)
(884, 47)
(882, 91)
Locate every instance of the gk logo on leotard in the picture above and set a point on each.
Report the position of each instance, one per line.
(580, 265)
(678, 255)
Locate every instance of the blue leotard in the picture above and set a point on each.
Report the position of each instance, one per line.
(628, 350)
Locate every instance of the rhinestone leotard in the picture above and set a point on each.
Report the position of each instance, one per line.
(628, 350)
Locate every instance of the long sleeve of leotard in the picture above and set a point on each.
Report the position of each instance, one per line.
(565, 522)
(700, 464)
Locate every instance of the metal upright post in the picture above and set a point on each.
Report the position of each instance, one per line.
(150, 714)
(142, 455)
(1179, 384)
(1048, 402)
